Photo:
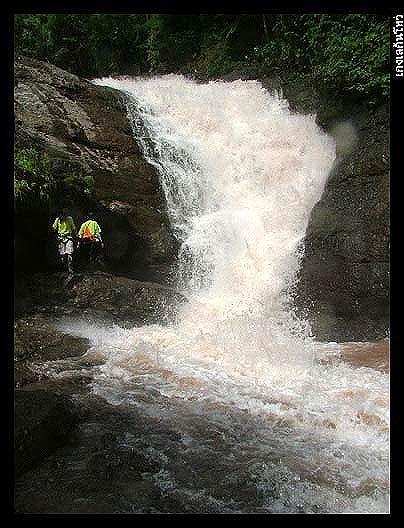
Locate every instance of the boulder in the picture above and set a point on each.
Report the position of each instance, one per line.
(122, 300)
(42, 297)
(43, 421)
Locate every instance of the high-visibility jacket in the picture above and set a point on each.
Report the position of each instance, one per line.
(65, 228)
(91, 230)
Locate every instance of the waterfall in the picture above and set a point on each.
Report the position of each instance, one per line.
(241, 174)
(251, 396)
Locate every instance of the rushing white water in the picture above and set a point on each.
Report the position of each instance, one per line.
(241, 173)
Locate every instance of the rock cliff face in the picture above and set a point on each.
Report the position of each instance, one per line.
(344, 278)
(84, 127)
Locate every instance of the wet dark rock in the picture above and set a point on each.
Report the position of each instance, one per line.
(42, 422)
(96, 296)
(344, 281)
(36, 340)
(123, 299)
(102, 467)
(43, 418)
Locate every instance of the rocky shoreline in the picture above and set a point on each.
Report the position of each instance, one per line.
(47, 416)
(71, 453)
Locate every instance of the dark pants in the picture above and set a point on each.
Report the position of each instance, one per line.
(91, 254)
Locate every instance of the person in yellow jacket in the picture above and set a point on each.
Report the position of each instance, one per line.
(65, 229)
(90, 239)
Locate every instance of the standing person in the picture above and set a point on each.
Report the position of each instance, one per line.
(65, 229)
(90, 239)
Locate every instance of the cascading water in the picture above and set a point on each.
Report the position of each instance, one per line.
(241, 177)
(241, 174)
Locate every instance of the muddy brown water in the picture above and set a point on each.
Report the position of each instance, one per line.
(165, 443)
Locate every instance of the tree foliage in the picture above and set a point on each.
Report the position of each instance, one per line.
(347, 52)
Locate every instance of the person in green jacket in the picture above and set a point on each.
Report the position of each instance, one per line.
(90, 239)
(65, 229)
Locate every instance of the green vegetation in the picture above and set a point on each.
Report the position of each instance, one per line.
(35, 183)
(32, 177)
(348, 53)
